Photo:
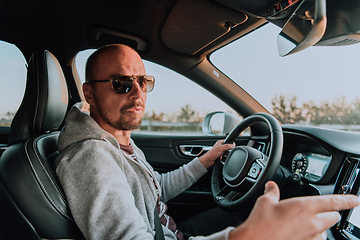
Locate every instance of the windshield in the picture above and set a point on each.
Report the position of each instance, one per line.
(318, 86)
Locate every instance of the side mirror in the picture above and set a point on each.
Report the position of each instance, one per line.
(219, 123)
(305, 27)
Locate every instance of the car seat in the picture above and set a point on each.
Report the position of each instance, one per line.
(32, 202)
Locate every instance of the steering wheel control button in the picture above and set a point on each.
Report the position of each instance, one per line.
(254, 170)
(220, 198)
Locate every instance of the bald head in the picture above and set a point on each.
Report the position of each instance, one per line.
(123, 55)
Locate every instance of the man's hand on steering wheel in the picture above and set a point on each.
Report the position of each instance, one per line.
(209, 158)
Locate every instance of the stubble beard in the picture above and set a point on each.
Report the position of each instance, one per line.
(122, 123)
(125, 125)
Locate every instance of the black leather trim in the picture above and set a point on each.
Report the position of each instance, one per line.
(35, 189)
(13, 224)
(45, 101)
(38, 151)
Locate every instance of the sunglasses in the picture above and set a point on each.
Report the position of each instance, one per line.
(123, 83)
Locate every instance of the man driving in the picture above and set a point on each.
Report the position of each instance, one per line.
(113, 193)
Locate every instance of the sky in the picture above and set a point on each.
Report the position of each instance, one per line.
(316, 74)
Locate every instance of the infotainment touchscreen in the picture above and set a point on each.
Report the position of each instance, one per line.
(348, 182)
(352, 225)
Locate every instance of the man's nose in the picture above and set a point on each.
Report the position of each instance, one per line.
(136, 91)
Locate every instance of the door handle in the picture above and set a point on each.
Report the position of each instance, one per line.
(193, 150)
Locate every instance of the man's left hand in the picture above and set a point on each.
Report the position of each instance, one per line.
(208, 159)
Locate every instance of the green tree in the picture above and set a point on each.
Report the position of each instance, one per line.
(286, 109)
(355, 112)
(187, 114)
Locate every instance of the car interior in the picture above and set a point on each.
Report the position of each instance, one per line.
(180, 35)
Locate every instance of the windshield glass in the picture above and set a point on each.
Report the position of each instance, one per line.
(318, 86)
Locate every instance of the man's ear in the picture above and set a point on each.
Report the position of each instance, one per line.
(88, 93)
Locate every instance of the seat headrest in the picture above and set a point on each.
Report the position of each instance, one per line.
(45, 101)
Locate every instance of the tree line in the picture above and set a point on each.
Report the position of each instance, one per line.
(286, 109)
(338, 112)
(187, 114)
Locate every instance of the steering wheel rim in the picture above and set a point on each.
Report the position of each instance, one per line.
(246, 170)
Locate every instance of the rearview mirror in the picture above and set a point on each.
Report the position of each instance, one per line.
(305, 27)
(219, 123)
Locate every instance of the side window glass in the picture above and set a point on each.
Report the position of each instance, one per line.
(12, 78)
(176, 105)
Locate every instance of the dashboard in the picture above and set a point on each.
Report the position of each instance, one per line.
(327, 157)
(317, 154)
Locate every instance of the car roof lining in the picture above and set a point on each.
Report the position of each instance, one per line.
(192, 25)
(44, 22)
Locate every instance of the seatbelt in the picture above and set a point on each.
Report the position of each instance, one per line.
(159, 234)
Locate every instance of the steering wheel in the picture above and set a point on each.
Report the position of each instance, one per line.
(241, 177)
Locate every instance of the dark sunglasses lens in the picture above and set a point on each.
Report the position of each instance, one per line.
(122, 84)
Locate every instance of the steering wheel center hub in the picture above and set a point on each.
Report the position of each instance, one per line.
(239, 164)
(235, 166)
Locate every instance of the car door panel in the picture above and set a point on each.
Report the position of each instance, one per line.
(165, 153)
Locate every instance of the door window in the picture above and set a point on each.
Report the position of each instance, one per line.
(12, 78)
(175, 106)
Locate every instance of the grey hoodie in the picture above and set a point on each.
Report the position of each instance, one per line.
(110, 195)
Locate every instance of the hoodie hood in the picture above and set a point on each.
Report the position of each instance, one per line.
(80, 126)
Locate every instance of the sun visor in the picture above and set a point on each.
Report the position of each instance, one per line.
(192, 25)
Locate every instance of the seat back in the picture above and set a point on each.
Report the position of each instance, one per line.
(31, 196)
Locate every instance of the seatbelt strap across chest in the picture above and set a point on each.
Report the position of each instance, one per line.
(159, 234)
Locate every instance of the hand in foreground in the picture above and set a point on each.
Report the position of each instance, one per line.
(208, 159)
(301, 218)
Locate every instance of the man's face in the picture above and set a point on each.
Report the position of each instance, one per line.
(118, 111)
